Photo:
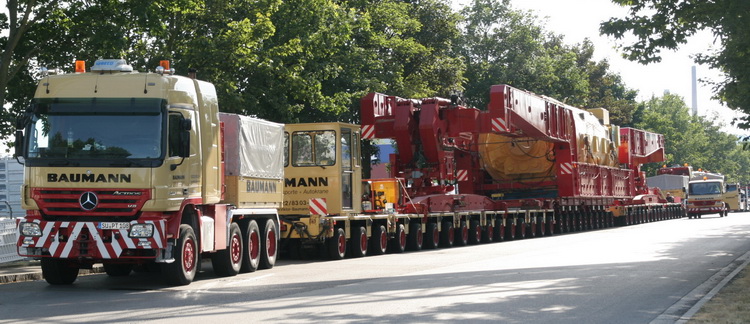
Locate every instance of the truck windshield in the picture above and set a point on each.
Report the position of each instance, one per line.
(96, 129)
(705, 188)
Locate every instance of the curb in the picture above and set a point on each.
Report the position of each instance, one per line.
(30, 270)
(684, 309)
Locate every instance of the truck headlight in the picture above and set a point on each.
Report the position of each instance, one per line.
(141, 230)
(30, 229)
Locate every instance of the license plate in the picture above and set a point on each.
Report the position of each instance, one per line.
(114, 226)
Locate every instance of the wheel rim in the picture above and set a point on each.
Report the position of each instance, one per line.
(420, 238)
(435, 237)
(236, 249)
(490, 232)
(478, 233)
(363, 242)
(271, 243)
(254, 245)
(402, 239)
(342, 244)
(383, 241)
(451, 236)
(188, 255)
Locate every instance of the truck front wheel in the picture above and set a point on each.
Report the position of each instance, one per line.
(182, 271)
(58, 272)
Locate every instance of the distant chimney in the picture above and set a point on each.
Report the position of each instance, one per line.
(695, 93)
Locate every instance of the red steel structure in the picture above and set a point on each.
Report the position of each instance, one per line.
(441, 146)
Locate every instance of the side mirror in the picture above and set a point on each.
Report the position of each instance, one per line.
(18, 144)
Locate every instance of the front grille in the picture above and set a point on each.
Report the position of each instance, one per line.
(109, 203)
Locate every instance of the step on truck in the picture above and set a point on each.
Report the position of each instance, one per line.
(136, 170)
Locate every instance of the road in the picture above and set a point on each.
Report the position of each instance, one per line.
(633, 274)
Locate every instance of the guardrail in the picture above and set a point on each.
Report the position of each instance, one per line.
(8, 238)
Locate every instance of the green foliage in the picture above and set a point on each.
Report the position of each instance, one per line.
(667, 24)
(503, 45)
(694, 140)
(311, 60)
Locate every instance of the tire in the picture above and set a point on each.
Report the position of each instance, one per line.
(117, 269)
(498, 231)
(358, 242)
(269, 247)
(337, 245)
(250, 246)
(58, 271)
(531, 229)
(488, 233)
(475, 232)
(182, 271)
(379, 240)
(510, 231)
(431, 237)
(398, 242)
(415, 239)
(446, 234)
(541, 228)
(462, 234)
(227, 262)
(520, 228)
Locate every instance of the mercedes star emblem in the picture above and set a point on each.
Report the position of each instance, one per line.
(88, 200)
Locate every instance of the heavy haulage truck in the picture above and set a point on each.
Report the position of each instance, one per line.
(135, 169)
(526, 166)
(131, 169)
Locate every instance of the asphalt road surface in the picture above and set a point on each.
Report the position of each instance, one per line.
(635, 274)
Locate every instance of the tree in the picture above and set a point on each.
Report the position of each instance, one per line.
(666, 24)
(693, 140)
(503, 45)
(30, 27)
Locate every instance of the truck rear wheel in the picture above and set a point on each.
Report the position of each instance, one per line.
(398, 242)
(462, 234)
(337, 244)
(378, 240)
(499, 230)
(432, 236)
(446, 234)
(227, 262)
(415, 238)
(182, 271)
(475, 232)
(488, 233)
(250, 247)
(269, 246)
(359, 242)
(58, 272)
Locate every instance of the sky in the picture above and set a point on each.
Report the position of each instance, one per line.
(580, 19)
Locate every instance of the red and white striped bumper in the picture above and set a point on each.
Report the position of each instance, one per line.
(704, 210)
(85, 240)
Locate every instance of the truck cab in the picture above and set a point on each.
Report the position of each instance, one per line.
(706, 196)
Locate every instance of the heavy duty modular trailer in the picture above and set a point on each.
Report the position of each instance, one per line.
(527, 166)
(375, 234)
